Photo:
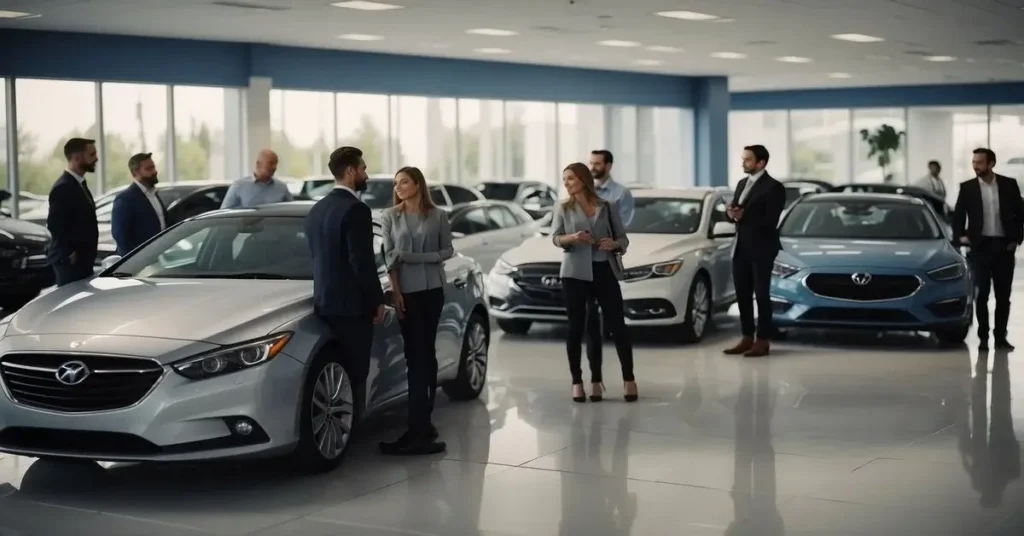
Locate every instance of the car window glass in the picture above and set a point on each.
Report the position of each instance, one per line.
(860, 220)
(502, 217)
(669, 215)
(184, 251)
(471, 222)
(461, 195)
(437, 196)
(718, 212)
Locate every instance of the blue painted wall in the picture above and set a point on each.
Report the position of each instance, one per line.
(43, 54)
(882, 97)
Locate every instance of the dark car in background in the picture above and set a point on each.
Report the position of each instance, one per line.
(23, 268)
(937, 203)
(536, 198)
(797, 188)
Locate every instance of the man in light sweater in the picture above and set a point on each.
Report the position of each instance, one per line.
(260, 188)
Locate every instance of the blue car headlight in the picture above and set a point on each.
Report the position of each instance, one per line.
(783, 270)
(233, 358)
(661, 269)
(949, 273)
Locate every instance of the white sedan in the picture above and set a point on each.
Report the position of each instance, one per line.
(678, 267)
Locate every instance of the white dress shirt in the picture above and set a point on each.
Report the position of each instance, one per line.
(155, 201)
(932, 184)
(347, 189)
(751, 180)
(993, 226)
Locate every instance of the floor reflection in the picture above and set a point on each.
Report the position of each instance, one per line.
(991, 452)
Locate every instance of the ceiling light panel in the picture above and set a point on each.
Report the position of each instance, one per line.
(363, 5)
(360, 37)
(619, 44)
(497, 51)
(649, 63)
(662, 48)
(940, 59)
(686, 15)
(794, 59)
(492, 32)
(729, 55)
(4, 14)
(840, 75)
(858, 38)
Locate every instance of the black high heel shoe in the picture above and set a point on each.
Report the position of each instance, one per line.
(598, 390)
(582, 397)
(631, 397)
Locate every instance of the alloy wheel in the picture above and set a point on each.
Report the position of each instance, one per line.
(476, 357)
(332, 411)
(700, 307)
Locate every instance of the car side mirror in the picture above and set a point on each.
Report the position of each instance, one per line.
(109, 261)
(723, 229)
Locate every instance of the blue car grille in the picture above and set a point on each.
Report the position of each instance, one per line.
(875, 288)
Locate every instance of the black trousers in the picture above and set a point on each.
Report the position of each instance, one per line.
(419, 331)
(355, 335)
(67, 273)
(993, 264)
(752, 277)
(578, 294)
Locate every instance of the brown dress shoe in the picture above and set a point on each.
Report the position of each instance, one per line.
(745, 344)
(760, 348)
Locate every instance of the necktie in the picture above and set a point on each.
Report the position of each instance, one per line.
(85, 186)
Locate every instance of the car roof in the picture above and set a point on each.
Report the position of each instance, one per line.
(481, 203)
(696, 192)
(196, 184)
(863, 196)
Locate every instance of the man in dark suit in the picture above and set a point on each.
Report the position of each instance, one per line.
(72, 216)
(346, 288)
(756, 208)
(138, 213)
(989, 217)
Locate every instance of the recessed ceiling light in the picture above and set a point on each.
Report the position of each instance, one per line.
(360, 37)
(840, 75)
(858, 38)
(17, 15)
(494, 51)
(686, 15)
(647, 62)
(661, 48)
(793, 59)
(363, 5)
(940, 59)
(493, 32)
(729, 55)
(619, 44)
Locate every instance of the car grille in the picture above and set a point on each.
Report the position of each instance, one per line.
(870, 316)
(531, 279)
(15, 258)
(877, 288)
(111, 382)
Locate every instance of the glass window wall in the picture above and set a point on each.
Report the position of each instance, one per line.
(768, 128)
(302, 131)
(821, 145)
(531, 141)
(199, 124)
(1007, 133)
(948, 135)
(134, 121)
(481, 140)
(362, 121)
(49, 113)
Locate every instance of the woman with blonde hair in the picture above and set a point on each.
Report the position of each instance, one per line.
(417, 241)
(590, 232)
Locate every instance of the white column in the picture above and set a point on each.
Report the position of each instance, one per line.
(646, 149)
(487, 168)
(257, 117)
(930, 137)
(235, 163)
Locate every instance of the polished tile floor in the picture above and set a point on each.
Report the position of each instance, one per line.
(835, 434)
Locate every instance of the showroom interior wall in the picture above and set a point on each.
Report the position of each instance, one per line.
(204, 109)
(816, 133)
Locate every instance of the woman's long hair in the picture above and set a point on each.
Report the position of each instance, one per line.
(582, 172)
(414, 173)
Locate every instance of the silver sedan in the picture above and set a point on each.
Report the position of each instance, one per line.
(203, 344)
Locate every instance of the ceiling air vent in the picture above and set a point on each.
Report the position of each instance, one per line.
(248, 5)
(921, 53)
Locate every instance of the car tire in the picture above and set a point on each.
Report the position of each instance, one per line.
(472, 363)
(953, 336)
(699, 306)
(328, 409)
(515, 327)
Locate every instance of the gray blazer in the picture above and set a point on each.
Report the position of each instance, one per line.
(577, 261)
(417, 256)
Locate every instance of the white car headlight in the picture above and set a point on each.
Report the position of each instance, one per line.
(503, 268)
(783, 270)
(949, 273)
(661, 269)
(232, 359)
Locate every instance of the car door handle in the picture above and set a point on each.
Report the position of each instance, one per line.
(460, 283)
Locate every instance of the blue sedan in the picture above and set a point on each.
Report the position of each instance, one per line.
(872, 261)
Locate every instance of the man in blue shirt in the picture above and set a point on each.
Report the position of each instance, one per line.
(260, 188)
(601, 161)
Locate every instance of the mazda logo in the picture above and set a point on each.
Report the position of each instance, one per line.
(72, 373)
(551, 281)
(861, 279)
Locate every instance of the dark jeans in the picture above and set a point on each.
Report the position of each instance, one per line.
(419, 331)
(355, 335)
(578, 293)
(993, 266)
(67, 273)
(752, 277)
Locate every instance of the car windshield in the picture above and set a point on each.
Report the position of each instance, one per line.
(666, 215)
(498, 191)
(379, 193)
(860, 219)
(237, 247)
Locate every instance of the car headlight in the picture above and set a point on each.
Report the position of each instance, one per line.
(948, 273)
(3, 326)
(232, 359)
(783, 270)
(503, 268)
(661, 269)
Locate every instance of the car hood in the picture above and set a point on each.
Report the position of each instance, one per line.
(216, 311)
(900, 254)
(20, 231)
(643, 249)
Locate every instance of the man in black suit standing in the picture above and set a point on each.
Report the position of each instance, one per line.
(138, 213)
(756, 208)
(72, 216)
(347, 293)
(989, 217)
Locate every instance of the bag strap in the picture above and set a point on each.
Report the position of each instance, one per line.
(608, 214)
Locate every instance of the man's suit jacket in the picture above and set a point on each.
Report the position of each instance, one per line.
(969, 213)
(134, 220)
(339, 229)
(72, 223)
(757, 232)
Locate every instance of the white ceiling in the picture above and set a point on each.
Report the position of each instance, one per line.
(565, 33)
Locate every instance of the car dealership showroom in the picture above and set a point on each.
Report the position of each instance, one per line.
(186, 384)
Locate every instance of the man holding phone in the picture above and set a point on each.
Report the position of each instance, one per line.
(756, 209)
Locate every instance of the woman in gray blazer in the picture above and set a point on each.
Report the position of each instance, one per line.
(417, 241)
(590, 232)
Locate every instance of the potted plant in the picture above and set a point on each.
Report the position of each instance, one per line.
(884, 141)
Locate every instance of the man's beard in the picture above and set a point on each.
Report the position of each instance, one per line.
(89, 168)
(599, 175)
(152, 180)
(362, 184)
